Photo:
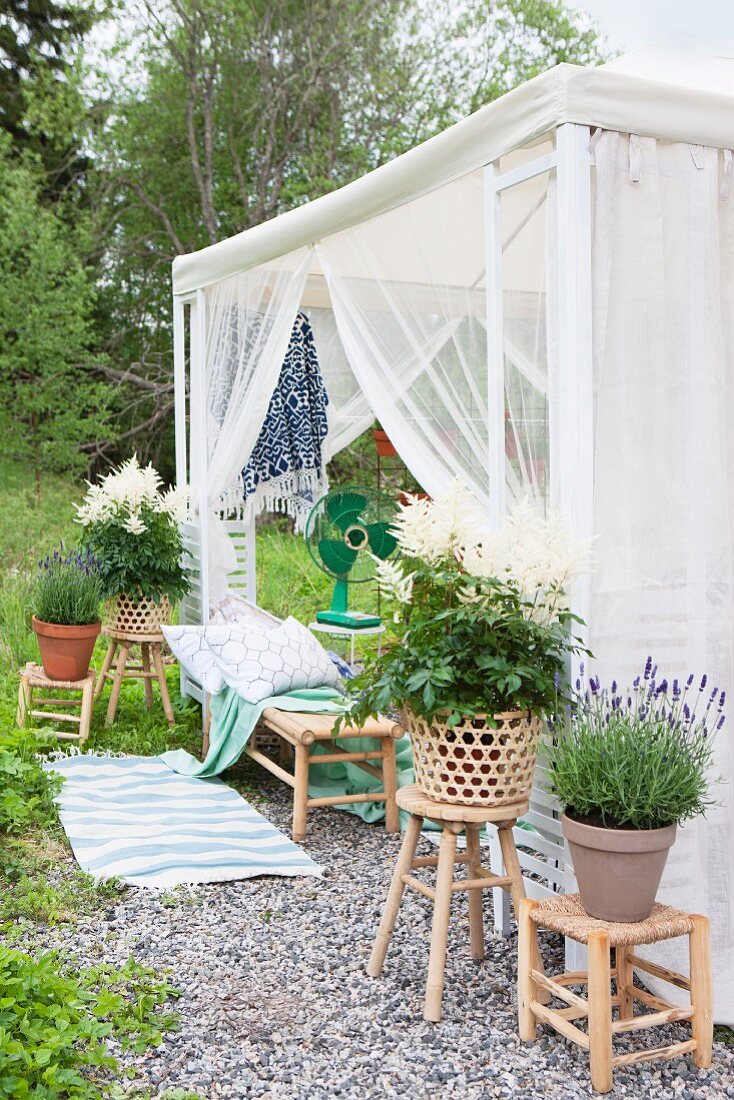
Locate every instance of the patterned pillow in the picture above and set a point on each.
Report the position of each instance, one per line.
(236, 609)
(256, 660)
(190, 645)
(257, 663)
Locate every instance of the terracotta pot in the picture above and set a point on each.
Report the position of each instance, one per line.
(66, 651)
(618, 870)
(405, 498)
(473, 763)
(385, 449)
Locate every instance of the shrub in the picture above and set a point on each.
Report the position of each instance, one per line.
(54, 1025)
(484, 617)
(132, 527)
(68, 588)
(638, 758)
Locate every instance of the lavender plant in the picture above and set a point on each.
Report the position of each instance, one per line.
(68, 588)
(638, 758)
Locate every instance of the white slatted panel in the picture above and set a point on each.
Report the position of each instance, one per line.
(242, 581)
(541, 849)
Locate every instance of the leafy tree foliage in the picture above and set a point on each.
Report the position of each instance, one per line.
(51, 405)
(37, 41)
(232, 111)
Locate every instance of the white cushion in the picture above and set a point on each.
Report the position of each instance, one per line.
(236, 609)
(256, 660)
(190, 646)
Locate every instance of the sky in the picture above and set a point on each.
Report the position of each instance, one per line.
(706, 25)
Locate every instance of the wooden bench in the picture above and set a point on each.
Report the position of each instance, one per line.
(297, 735)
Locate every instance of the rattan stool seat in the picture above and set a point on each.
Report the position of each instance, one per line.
(413, 800)
(564, 913)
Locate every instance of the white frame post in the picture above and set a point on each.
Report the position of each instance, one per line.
(495, 349)
(199, 453)
(572, 408)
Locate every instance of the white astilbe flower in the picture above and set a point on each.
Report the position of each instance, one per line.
(393, 580)
(538, 555)
(135, 524)
(174, 502)
(122, 494)
(439, 528)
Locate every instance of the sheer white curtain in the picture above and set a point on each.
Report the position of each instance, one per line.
(249, 319)
(663, 280)
(407, 290)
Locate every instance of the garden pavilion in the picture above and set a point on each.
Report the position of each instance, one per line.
(540, 301)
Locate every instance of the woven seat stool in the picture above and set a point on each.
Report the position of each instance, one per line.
(452, 819)
(33, 678)
(151, 667)
(566, 915)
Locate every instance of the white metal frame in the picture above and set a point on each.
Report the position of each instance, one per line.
(542, 850)
(192, 468)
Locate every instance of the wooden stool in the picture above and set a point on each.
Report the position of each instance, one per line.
(565, 914)
(33, 677)
(454, 819)
(151, 646)
(299, 733)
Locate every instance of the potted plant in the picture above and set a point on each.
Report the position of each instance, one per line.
(132, 527)
(385, 448)
(485, 633)
(627, 767)
(67, 598)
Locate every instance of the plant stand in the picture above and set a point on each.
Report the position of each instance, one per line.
(33, 678)
(453, 820)
(565, 914)
(151, 667)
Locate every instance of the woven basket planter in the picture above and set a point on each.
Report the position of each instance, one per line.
(472, 763)
(143, 616)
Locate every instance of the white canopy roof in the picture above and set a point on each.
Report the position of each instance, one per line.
(674, 97)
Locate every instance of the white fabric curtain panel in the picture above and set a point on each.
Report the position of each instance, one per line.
(407, 290)
(663, 280)
(249, 320)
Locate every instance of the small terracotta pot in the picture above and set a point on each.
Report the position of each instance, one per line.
(618, 870)
(66, 651)
(385, 449)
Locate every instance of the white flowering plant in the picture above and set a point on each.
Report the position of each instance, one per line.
(484, 616)
(131, 525)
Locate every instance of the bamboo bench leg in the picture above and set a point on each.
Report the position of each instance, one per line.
(86, 712)
(390, 786)
(106, 666)
(600, 1012)
(625, 976)
(527, 950)
(162, 684)
(394, 896)
(476, 918)
(117, 684)
(147, 686)
(702, 1021)
(300, 793)
(440, 926)
(25, 702)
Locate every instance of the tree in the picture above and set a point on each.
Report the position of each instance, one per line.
(241, 109)
(51, 405)
(38, 42)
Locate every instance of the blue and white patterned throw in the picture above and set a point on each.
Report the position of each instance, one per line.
(134, 819)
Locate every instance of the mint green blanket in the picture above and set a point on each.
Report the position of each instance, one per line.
(233, 720)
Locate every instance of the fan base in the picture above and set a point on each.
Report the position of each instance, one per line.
(350, 620)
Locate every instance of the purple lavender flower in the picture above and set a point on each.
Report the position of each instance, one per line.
(648, 668)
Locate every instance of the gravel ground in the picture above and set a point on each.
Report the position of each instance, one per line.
(276, 1003)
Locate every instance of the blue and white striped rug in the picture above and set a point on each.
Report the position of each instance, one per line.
(134, 819)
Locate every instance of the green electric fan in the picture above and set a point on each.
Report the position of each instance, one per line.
(346, 530)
